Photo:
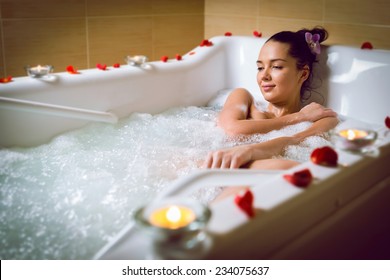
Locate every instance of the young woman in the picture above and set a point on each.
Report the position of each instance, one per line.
(285, 65)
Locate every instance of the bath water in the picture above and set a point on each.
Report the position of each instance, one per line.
(68, 198)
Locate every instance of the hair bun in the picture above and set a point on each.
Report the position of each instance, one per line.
(316, 30)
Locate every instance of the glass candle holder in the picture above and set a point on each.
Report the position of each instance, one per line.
(137, 60)
(39, 71)
(354, 139)
(176, 228)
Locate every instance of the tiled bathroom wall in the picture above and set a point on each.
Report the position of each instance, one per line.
(349, 22)
(83, 33)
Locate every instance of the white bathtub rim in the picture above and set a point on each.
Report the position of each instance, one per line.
(271, 193)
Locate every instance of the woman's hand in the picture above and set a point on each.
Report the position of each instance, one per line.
(239, 156)
(314, 112)
(229, 158)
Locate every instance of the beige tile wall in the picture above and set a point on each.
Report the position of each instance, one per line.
(86, 32)
(349, 22)
(2, 72)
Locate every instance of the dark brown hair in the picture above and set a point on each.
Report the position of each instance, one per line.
(299, 49)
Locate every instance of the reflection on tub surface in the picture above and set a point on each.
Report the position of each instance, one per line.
(66, 199)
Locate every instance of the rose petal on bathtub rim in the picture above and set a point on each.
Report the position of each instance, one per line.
(301, 178)
(325, 156)
(387, 122)
(6, 80)
(245, 203)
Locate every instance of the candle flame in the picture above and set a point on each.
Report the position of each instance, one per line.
(351, 134)
(172, 217)
(173, 214)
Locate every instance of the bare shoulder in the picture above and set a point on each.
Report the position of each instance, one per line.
(237, 106)
(240, 95)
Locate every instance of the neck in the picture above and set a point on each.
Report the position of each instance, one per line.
(279, 110)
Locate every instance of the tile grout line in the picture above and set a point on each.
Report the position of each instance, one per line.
(87, 34)
(323, 12)
(153, 38)
(3, 48)
(2, 44)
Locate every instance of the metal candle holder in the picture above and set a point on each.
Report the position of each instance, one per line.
(188, 241)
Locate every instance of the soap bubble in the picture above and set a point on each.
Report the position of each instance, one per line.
(66, 199)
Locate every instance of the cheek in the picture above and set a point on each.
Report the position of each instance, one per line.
(285, 79)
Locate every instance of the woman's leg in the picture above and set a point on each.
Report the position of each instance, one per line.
(268, 164)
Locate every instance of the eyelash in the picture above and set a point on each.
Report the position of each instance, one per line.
(274, 67)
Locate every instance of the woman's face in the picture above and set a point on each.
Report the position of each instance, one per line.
(278, 77)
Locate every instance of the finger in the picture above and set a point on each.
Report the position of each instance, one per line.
(235, 163)
(226, 162)
(209, 160)
(216, 160)
(330, 113)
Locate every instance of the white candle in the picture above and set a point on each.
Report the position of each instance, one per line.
(136, 60)
(172, 217)
(352, 134)
(355, 139)
(39, 71)
(177, 227)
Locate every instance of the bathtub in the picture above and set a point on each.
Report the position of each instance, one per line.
(342, 214)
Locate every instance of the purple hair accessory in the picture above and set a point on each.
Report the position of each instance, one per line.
(313, 41)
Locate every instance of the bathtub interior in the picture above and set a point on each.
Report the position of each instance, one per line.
(286, 227)
(346, 76)
(343, 207)
(345, 83)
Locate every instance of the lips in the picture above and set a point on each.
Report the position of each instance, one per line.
(267, 88)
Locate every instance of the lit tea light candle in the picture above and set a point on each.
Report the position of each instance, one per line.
(355, 139)
(352, 134)
(172, 217)
(39, 71)
(176, 227)
(136, 60)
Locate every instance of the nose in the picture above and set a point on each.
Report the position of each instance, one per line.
(265, 74)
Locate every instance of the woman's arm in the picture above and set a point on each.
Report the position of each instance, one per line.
(317, 128)
(235, 119)
(238, 156)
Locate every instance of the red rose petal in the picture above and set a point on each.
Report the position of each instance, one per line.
(301, 178)
(178, 57)
(116, 65)
(387, 122)
(101, 66)
(324, 156)
(164, 58)
(228, 34)
(245, 203)
(257, 34)
(6, 80)
(367, 45)
(206, 43)
(71, 70)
